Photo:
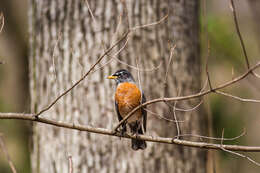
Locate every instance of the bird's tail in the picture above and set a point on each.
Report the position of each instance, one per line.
(137, 143)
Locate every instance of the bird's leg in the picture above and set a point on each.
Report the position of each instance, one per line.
(134, 128)
(123, 130)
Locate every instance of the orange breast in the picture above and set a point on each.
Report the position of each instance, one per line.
(128, 96)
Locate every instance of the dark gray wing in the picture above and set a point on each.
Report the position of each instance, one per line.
(117, 111)
(144, 112)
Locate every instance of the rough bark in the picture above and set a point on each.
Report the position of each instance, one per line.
(79, 46)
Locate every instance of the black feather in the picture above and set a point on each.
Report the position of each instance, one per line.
(144, 112)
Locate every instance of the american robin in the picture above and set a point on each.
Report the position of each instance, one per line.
(127, 97)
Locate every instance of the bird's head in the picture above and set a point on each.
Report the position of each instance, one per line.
(121, 76)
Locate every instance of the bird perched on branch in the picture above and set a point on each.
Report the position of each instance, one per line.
(127, 97)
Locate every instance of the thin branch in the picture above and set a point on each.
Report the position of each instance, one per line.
(139, 78)
(204, 86)
(4, 149)
(2, 21)
(233, 9)
(168, 66)
(150, 24)
(207, 64)
(141, 70)
(83, 77)
(256, 75)
(162, 117)
(242, 155)
(237, 154)
(213, 138)
(70, 164)
(175, 118)
(90, 11)
(53, 56)
(200, 94)
(187, 110)
(191, 109)
(238, 98)
(109, 61)
(31, 117)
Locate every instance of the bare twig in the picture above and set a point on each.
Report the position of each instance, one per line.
(190, 109)
(150, 24)
(238, 98)
(175, 118)
(237, 154)
(70, 164)
(233, 9)
(90, 11)
(53, 56)
(5, 152)
(242, 155)
(109, 61)
(207, 64)
(168, 66)
(186, 110)
(130, 30)
(31, 117)
(200, 94)
(139, 69)
(213, 138)
(162, 117)
(204, 86)
(2, 21)
(138, 75)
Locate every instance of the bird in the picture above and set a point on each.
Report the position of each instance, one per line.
(127, 97)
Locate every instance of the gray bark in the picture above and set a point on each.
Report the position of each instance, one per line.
(79, 46)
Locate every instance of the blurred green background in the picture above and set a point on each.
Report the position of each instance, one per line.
(226, 61)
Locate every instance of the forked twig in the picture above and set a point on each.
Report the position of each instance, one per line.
(236, 153)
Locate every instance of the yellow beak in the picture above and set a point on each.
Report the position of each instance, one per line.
(111, 77)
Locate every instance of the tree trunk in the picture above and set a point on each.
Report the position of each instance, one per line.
(66, 30)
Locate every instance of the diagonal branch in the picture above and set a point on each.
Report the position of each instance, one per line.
(200, 94)
(83, 77)
(233, 9)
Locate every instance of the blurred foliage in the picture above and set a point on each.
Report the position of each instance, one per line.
(224, 42)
